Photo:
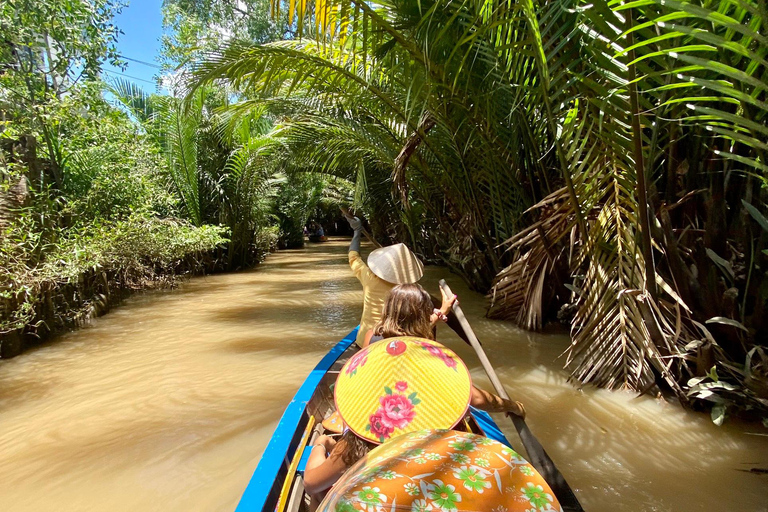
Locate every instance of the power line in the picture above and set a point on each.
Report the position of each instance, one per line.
(128, 76)
(141, 62)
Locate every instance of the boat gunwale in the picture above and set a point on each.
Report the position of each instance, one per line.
(262, 482)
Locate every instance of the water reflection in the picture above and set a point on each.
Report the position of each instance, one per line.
(167, 402)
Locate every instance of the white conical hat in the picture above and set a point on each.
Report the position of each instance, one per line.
(396, 264)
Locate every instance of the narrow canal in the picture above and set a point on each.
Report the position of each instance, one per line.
(167, 402)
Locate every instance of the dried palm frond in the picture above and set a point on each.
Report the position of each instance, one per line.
(518, 290)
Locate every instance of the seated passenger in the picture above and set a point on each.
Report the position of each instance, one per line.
(329, 459)
(408, 311)
(442, 470)
(385, 390)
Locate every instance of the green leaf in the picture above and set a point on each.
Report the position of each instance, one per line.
(412, 396)
(720, 262)
(726, 321)
(574, 289)
(388, 390)
(713, 374)
(755, 213)
(415, 401)
(718, 414)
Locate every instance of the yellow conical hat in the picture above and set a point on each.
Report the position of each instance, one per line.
(400, 385)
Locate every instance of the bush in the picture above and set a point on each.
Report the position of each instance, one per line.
(134, 253)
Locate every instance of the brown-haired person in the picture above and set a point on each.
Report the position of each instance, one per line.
(408, 311)
(329, 459)
(404, 314)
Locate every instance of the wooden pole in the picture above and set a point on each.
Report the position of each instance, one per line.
(537, 456)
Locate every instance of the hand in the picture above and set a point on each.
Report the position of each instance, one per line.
(448, 302)
(439, 315)
(326, 442)
(518, 409)
(355, 223)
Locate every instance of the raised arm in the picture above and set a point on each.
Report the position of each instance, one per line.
(355, 224)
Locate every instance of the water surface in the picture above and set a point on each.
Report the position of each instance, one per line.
(167, 402)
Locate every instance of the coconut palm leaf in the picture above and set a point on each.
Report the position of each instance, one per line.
(180, 129)
(133, 97)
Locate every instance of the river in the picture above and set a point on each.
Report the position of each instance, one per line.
(167, 402)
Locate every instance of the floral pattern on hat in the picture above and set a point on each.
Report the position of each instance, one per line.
(406, 384)
(395, 411)
(436, 351)
(357, 361)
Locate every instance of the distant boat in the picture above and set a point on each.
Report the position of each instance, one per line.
(277, 484)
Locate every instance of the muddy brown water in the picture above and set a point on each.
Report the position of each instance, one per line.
(167, 402)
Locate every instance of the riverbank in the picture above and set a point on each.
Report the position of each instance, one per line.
(85, 277)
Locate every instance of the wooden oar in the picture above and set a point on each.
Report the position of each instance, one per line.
(345, 212)
(536, 454)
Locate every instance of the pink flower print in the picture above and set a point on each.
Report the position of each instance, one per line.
(377, 427)
(357, 361)
(397, 411)
(401, 385)
(435, 351)
(449, 361)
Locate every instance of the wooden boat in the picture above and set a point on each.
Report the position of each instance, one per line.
(277, 485)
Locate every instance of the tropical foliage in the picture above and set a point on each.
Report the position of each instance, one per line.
(603, 159)
(87, 210)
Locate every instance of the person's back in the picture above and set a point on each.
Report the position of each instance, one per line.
(375, 291)
(386, 268)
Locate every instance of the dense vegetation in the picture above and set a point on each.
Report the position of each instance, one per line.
(603, 162)
(105, 188)
(600, 163)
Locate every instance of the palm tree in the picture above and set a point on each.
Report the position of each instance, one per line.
(219, 161)
(592, 154)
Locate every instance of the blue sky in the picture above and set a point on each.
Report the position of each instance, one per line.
(142, 26)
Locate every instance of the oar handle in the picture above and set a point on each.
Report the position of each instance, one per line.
(345, 212)
(498, 386)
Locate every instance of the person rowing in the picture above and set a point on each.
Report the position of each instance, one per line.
(408, 311)
(386, 268)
